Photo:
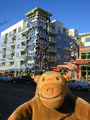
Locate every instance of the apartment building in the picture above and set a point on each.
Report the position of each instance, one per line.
(35, 45)
(13, 47)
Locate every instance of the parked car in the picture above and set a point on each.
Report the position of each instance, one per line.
(22, 79)
(5, 77)
(78, 85)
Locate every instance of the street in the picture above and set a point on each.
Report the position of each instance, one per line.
(13, 95)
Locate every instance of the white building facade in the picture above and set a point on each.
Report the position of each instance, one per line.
(12, 47)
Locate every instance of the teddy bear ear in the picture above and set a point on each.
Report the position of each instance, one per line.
(66, 78)
(36, 78)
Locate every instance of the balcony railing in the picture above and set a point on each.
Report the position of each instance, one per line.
(3, 45)
(52, 49)
(52, 31)
(11, 59)
(12, 43)
(51, 59)
(22, 57)
(22, 48)
(12, 50)
(52, 40)
(2, 60)
(22, 66)
(11, 65)
(4, 39)
(22, 39)
(23, 30)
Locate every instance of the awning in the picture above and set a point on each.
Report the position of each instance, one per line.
(59, 68)
(78, 62)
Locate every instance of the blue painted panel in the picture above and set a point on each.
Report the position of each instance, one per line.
(33, 37)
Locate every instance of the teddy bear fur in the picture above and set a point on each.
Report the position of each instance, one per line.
(52, 101)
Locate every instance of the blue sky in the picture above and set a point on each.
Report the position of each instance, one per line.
(72, 13)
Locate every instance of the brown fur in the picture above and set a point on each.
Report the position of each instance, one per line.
(52, 101)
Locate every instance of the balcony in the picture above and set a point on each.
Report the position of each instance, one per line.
(23, 39)
(11, 59)
(12, 65)
(3, 52)
(52, 31)
(3, 45)
(51, 59)
(13, 36)
(52, 49)
(4, 39)
(22, 57)
(2, 60)
(23, 31)
(22, 66)
(12, 43)
(12, 51)
(22, 48)
(52, 40)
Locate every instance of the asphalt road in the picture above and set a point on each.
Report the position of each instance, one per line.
(13, 95)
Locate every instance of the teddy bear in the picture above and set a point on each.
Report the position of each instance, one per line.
(53, 100)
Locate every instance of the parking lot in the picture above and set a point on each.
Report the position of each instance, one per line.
(13, 95)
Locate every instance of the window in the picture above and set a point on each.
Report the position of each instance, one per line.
(18, 38)
(7, 64)
(10, 33)
(8, 56)
(17, 54)
(19, 29)
(59, 56)
(8, 49)
(59, 29)
(88, 55)
(85, 55)
(58, 48)
(58, 38)
(66, 49)
(30, 62)
(87, 39)
(3, 64)
(18, 46)
(66, 57)
(16, 64)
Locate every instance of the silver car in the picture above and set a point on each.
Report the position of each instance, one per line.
(78, 85)
(5, 77)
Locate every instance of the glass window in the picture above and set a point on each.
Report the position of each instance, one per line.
(18, 46)
(66, 49)
(66, 57)
(17, 54)
(87, 39)
(19, 29)
(83, 67)
(83, 55)
(88, 55)
(59, 56)
(73, 81)
(88, 67)
(16, 64)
